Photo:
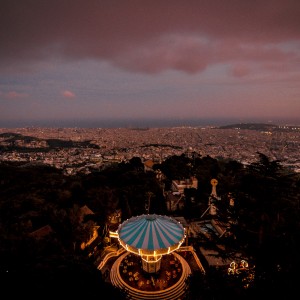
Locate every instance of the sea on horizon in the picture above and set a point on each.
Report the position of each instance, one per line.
(140, 123)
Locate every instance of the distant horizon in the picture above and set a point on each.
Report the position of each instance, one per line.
(148, 63)
(142, 123)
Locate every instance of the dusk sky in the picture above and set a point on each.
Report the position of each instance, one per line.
(70, 62)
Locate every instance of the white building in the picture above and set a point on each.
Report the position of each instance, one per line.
(178, 186)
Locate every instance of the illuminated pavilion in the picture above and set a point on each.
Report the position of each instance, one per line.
(151, 237)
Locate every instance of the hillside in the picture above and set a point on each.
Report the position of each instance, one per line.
(251, 126)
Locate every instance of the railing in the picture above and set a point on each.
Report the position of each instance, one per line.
(192, 250)
(108, 256)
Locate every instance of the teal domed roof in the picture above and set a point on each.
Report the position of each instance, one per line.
(149, 233)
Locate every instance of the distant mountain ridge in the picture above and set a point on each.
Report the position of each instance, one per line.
(251, 126)
(11, 138)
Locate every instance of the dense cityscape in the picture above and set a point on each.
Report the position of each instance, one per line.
(234, 189)
(84, 149)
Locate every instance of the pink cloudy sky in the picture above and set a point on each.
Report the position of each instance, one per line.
(73, 61)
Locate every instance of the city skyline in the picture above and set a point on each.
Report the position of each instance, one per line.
(133, 62)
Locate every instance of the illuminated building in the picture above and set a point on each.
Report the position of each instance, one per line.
(151, 237)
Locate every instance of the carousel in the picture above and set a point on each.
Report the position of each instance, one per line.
(148, 265)
(151, 237)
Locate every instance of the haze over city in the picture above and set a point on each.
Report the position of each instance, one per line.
(141, 63)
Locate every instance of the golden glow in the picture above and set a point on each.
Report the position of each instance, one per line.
(242, 269)
(114, 234)
(82, 246)
(151, 258)
(244, 264)
(146, 252)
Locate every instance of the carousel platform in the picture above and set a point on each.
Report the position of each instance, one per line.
(169, 283)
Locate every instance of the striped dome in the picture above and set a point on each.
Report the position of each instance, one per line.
(148, 233)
